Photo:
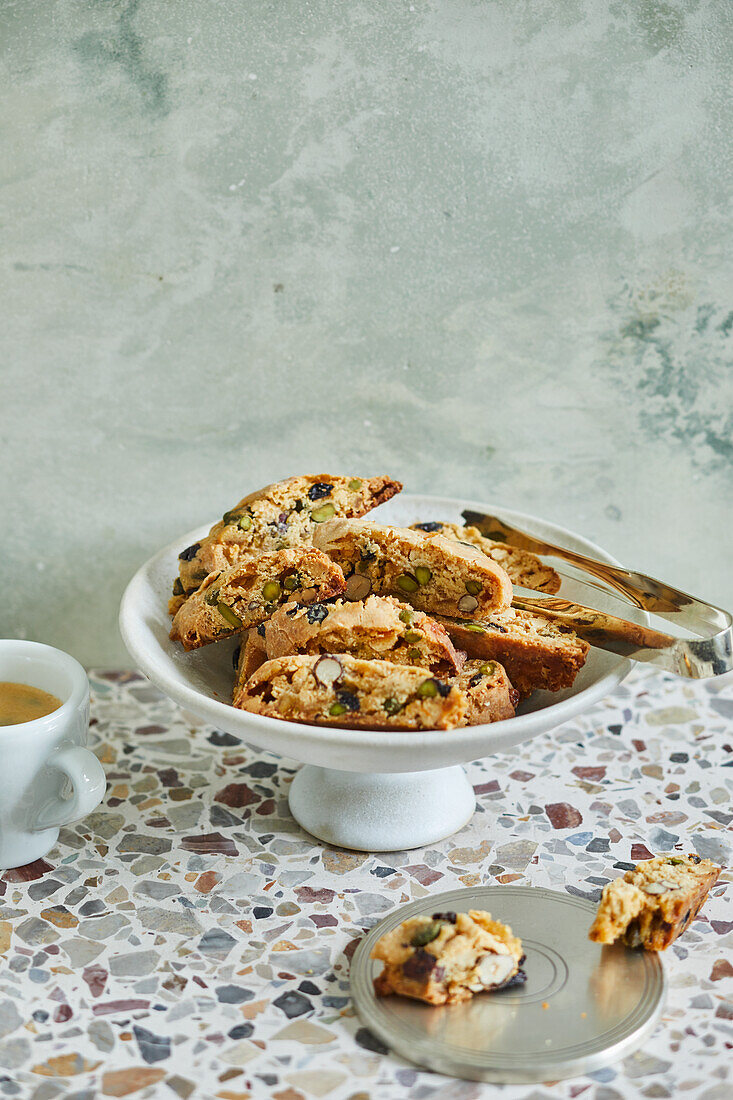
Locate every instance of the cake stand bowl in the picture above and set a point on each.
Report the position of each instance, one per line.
(362, 789)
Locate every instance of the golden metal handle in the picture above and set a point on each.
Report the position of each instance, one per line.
(709, 654)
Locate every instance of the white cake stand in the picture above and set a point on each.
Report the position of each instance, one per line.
(359, 789)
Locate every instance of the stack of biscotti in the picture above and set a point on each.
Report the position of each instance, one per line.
(347, 622)
(374, 656)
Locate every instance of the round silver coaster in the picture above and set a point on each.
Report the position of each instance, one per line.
(582, 1006)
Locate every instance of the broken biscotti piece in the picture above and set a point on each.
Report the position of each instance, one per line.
(379, 628)
(340, 690)
(281, 515)
(434, 574)
(653, 904)
(536, 653)
(523, 567)
(490, 695)
(249, 592)
(447, 958)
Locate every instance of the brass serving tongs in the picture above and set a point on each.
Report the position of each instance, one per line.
(708, 654)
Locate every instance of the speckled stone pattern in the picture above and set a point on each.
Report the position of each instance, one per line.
(188, 940)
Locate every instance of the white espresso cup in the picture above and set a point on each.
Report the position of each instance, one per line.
(48, 778)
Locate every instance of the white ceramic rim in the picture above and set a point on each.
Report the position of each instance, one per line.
(468, 743)
(79, 680)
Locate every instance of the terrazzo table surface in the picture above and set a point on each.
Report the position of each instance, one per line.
(189, 940)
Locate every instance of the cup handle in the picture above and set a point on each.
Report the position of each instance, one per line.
(88, 782)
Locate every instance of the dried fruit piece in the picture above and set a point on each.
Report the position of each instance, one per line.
(429, 527)
(516, 979)
(316, 613)
(190, 552)
(407, 583)
(271, 590)
(419, 965)
(228, 615)
(348, 700)
(319, 490)
(358, 587)
(426, 934)
(326, 511)
(467, 603)
(449, 916)
(178, 589)
(327, 670)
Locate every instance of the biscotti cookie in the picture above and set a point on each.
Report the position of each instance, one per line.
(523, 567)
(490, 695)
(535, 652)
(434, 574)
(653, 904)
(379, 628)
(447, 958)
(249, 592)
(281, 515)
(340, 690)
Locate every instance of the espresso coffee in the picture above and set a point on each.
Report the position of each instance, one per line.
(23, 703)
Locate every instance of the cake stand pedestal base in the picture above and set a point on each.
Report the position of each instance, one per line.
(381, 812)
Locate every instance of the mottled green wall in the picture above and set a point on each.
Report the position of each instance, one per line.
(483, 246)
